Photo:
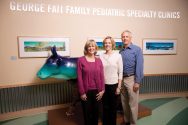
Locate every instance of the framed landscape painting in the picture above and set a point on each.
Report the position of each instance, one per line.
(41, 46)
(101, 50)
(159, 46)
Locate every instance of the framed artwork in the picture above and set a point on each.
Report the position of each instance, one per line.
(99, 42)
(159, 46)
(41, 46)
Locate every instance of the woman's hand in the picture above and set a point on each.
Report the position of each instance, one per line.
(118, 89)
(84, 97)
(99, 95)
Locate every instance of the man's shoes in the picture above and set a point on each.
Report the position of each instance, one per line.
(123, 123)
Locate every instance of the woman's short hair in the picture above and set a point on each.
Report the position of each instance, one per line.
(112, 41)
(87, 44)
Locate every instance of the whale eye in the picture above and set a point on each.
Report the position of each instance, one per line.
(52, 61)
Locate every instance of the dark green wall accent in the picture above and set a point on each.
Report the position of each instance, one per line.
(34, 96)
(164, 83)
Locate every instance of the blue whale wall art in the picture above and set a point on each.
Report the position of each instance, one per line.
(58, 67)
(64, 68)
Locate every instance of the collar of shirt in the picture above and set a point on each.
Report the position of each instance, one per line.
(129, 47)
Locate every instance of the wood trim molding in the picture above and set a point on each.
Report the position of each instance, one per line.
(166, 74)
(163, 95)
(11, 85)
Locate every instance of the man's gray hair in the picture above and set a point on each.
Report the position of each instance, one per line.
(127, 31)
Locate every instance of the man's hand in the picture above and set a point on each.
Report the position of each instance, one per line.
(136, 87)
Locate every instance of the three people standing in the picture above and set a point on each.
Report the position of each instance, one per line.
(108, 75)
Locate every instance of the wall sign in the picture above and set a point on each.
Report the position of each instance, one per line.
(88, 11)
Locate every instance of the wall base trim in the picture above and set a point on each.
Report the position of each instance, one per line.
(163, 95)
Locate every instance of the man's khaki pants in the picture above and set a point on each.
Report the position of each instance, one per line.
(129, 100)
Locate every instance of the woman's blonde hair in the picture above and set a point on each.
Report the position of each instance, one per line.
(112, 41)
(87, 44)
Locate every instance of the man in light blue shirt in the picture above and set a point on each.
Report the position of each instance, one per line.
(132, 75)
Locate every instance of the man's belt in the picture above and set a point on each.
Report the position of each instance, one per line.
(128, 75)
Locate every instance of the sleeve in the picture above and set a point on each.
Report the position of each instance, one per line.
(102, 84)
(120, 67)
(139, 66)
(79, 77)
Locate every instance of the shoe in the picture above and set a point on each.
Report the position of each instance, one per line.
(123, 123)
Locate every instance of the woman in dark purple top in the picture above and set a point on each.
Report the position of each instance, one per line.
(90, 82)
